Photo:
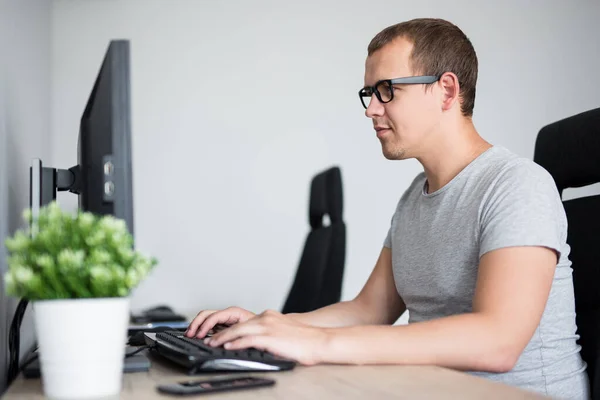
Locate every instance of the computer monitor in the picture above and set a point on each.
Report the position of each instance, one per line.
(104, 148)
(102, 177)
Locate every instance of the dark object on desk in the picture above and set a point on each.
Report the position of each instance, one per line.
(135, 363)
(157, 314)
(137, 339)
(569, 150)
(196, 357)
(318, 280)
(214, 385)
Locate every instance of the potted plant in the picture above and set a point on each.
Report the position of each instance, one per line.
(77, 270)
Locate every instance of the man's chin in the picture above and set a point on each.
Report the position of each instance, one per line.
(394, 154)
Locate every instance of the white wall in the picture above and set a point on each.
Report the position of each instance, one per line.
(237, 104)
(24, 129)
(5, 304)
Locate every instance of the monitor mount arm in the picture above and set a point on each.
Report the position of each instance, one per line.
(67, 179)
(58, 180)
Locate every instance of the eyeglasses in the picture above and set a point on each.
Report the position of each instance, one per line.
(384, 89)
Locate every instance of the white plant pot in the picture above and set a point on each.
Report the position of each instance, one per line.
(82, 346)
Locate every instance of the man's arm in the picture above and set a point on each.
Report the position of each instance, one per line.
(377, 303)
(511, 293)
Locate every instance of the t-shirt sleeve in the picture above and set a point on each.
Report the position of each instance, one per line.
(388, 239)
(522, 208)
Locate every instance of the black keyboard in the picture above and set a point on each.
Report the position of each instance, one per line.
(193, 354)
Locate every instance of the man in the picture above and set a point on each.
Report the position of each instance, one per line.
(476, 250)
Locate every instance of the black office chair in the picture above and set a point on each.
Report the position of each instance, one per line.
(569, 150)
(318, 280)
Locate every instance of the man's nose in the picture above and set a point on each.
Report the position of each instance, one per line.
(375, 108)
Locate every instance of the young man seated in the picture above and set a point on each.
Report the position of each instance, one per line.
(476, 250)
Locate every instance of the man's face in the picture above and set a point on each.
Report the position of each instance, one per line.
(404, 126)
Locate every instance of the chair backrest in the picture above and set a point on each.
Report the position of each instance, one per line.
(569, 150)
(318, 280)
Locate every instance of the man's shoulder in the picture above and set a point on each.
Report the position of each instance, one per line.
(516, 171)
(521, 183)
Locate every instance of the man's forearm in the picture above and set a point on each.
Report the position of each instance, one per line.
(465, 342)
(342, 314)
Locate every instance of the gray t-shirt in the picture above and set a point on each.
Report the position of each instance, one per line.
(437, 239)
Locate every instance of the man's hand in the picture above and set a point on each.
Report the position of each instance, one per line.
(207, 319)
(276, 333)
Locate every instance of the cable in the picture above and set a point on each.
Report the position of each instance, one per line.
(32, 357)
(136, 351)
(14, 341)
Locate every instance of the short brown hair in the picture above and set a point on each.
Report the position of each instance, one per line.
(438, 46)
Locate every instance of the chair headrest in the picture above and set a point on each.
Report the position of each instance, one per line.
(326, 197)
(569, 150)
(335, 197)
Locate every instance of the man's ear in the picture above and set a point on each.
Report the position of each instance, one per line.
(450, 90)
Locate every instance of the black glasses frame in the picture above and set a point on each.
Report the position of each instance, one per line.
(368, 91)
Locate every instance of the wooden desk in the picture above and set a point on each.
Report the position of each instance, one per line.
(318, 382)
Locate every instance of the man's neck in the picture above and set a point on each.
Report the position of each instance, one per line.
(451, 154)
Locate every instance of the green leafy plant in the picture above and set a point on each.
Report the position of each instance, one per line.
(64, 255)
